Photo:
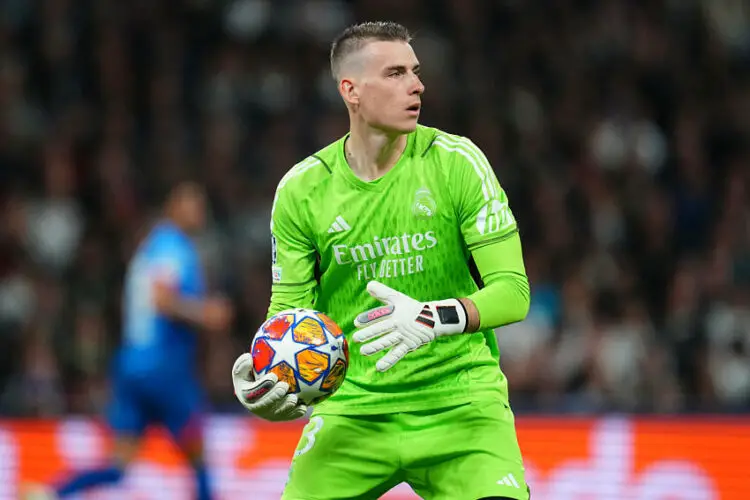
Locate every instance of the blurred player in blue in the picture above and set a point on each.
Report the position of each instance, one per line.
(154, 377)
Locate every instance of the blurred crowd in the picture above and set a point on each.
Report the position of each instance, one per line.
(619, 129)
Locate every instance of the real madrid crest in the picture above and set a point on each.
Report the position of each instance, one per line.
(424, 204)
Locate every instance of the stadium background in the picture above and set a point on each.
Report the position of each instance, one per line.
(618, 128)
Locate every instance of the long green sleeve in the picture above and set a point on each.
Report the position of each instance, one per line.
(506, 296)
(291, 297)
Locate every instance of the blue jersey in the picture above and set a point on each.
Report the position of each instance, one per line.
(154, 344)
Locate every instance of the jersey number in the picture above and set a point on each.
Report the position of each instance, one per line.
(314, 426)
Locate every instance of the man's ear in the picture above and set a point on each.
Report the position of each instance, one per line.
(348, 91)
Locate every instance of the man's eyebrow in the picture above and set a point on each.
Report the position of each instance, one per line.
(402, 68)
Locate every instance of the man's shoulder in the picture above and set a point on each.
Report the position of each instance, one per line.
(450, 153)
(446, 145)
(163, 234)
(166, 237)
(312, 169)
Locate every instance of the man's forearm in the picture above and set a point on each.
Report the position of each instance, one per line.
(188, 311)
(182, 309)
(502, 302)
(506, 295)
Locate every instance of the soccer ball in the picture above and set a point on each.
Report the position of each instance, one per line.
(305, 349)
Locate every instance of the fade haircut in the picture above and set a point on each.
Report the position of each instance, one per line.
(357, 36)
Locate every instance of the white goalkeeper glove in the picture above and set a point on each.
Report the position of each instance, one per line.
(405, 324)
(265, 397)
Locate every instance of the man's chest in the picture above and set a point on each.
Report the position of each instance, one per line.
(377, 234)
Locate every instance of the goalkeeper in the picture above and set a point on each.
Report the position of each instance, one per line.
(386, 220)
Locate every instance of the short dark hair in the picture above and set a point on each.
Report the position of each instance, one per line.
(355, 37)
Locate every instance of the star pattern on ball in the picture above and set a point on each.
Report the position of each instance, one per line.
(285, 349)
(331, 347)
(312, 390)
(306, 358)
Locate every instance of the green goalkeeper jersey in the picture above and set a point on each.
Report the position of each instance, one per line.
(413, 229)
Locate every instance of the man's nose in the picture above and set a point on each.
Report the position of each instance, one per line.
(417, 86)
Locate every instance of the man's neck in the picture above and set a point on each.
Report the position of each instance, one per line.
(371, 153)
(174, 222)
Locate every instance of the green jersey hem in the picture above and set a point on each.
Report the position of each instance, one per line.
(406, 403)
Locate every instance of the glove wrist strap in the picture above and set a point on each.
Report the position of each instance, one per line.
(452, 316)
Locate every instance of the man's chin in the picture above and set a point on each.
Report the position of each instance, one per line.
(408, 127)
(400, 128)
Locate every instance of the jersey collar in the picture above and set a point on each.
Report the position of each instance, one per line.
(382, 182)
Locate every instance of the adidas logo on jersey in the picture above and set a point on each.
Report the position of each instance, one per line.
(339, 226)
(509, 480)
